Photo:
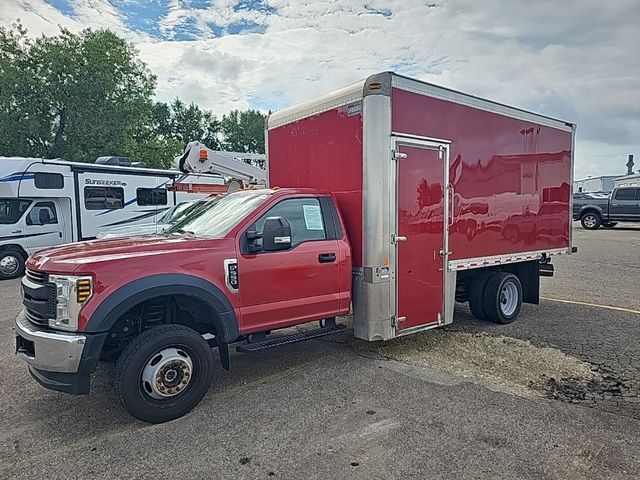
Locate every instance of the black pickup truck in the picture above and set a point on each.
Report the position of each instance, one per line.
(595, 210)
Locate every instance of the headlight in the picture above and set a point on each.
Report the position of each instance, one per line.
(71, 293)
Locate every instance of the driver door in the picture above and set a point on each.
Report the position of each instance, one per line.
(43, 226)
(296, 285)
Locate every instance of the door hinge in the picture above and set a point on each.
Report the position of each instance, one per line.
(398, 155)
(441, 152)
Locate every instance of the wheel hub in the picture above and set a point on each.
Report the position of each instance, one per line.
(508, 299)
(590, 221)
(167, 373)
(9, 265)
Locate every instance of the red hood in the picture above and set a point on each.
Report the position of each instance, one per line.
(85, 255)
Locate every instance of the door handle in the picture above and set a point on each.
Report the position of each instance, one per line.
(395, 239)
(327, 257)
(17, 231)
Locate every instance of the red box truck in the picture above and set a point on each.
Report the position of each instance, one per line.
(391, 197)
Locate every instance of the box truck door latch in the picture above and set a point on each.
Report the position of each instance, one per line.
(395, 239)
(443, 253)
(398, 155)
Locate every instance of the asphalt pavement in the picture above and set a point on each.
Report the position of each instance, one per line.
(329, 409)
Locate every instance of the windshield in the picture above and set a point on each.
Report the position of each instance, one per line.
(174, 211)
(11, 209)
(215, 218)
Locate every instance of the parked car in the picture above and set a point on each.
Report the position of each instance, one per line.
(597, 210)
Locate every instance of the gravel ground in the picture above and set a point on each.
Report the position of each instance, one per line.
(552, 396)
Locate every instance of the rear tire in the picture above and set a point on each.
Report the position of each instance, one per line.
(476, 295)
(502, 297)
(164, 373)
(591, 221)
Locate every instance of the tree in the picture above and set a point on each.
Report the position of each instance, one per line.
(74, 96)
(185, 123)
(243, 131)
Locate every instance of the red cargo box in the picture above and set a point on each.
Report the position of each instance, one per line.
(431, 182)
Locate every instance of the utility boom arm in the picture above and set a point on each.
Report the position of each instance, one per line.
(197, 158)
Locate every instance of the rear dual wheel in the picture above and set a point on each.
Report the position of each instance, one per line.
(495, 296)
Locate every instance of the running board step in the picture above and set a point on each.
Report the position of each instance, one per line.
(287, 339)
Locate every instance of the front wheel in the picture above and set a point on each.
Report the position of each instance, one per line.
(502, 297)
(11, 264)
(591, 221)
(164, 373)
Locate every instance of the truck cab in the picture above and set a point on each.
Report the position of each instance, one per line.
(28, 225)
(236, 268)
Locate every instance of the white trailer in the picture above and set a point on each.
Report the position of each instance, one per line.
(44, 203)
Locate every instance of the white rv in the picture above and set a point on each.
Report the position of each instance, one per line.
(44, 203)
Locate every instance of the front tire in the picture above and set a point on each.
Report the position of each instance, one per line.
(164, 373)
(591, 221)
(502, 297)
(11, 264)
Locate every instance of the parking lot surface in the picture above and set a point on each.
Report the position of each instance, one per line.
(342, 408)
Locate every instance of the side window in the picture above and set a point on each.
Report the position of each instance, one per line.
(49, 180)
(42, 213)
(101, 198)
(626, 194)
(151, 196)
(303, 214)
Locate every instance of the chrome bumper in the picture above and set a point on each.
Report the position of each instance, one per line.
(46, 350)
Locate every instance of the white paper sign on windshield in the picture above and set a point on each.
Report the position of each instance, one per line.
(312, 217)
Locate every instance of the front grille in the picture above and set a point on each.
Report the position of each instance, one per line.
(35, 317)
(36, 277)
(38, 297)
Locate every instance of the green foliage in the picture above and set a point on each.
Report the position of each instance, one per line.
(82, 96)
(74, 96)
(243, 131)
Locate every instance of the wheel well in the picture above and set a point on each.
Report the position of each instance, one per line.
(527, 272)
(160, 310)
(14, 248)
(589, 210)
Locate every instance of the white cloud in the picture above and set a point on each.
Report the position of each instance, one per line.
(576, 60)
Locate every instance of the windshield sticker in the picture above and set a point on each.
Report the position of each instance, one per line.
(312, 217)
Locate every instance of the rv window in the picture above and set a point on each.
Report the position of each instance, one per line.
(100, 198)
(152, 196)
(12, 209)
(49, 180)
(42, 213)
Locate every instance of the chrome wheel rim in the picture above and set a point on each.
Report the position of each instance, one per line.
(9, 264)
(590, 221)
(167, 373)
(508, 299)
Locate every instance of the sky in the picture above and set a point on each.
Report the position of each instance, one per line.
(577, 60)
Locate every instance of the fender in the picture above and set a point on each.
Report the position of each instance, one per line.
(596, 208)
(131, 294)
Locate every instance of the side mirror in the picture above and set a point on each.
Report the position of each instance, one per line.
(44, 217)
(276, 234)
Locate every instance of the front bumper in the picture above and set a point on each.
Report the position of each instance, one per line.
(61, 361)
(46, 349)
